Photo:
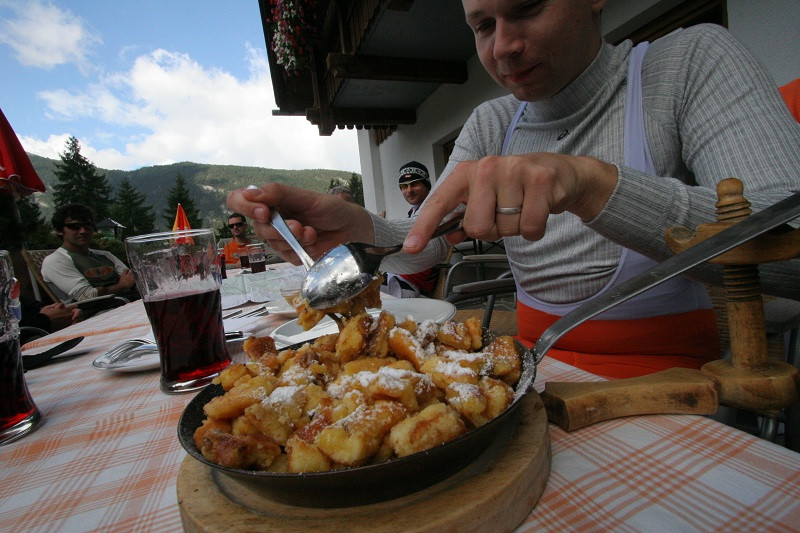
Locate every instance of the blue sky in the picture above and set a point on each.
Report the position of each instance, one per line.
(150, 82)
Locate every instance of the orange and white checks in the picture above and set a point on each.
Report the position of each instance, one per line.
(107, 458)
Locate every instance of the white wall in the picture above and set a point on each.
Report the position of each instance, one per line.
(439, 118)
(771, 31)
(769, 28)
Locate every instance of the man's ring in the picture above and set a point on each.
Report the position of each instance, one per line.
(508, 210)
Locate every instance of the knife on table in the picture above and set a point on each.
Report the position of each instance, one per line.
(29, 362)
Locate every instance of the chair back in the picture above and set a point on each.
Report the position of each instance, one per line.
(33, 260)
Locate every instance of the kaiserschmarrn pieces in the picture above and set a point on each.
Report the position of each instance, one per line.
(379, 389)
(370, 297)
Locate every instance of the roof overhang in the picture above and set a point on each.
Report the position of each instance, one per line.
(373, 63)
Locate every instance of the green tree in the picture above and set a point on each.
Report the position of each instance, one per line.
(354, 184)
(179, 194)
(77, 180)
(357, 187)
(33, 229)
(129, 210)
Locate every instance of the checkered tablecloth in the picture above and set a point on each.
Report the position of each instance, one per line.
(107, 457)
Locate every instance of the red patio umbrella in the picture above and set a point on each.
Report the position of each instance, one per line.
(17, 176)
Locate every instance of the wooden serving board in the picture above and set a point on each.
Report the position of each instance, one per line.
(496, 493)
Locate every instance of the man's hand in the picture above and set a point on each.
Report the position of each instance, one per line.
(125, 282)
(319, 221)
(539, 184)
(61, 315)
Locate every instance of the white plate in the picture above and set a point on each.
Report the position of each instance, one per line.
(421, 309)
(281, 307)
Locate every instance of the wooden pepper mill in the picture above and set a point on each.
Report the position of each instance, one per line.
(749, 380)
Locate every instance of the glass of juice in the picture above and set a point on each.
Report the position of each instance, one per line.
(18, 414)
(258, 257)
(178, 276)
(244, 260)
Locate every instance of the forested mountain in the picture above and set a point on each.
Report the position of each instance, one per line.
(208, 184)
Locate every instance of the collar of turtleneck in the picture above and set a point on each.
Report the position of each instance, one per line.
(587, 86)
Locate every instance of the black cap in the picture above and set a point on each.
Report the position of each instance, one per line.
(414, 171)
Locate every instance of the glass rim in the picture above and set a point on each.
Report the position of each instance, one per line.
(170, 234)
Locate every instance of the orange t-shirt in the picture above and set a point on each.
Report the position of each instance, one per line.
(791, 94)
(233, 250)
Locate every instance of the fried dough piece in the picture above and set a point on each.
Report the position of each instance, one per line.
(467, 335)
(482, 402)
(378, 339)
(370, 297)
(258, 347)
(404, 345)
(443, 373)
(353, 338)
(235, 401)
(228, 377)
(277, 416)
(208, 425)
(506, 360)
(498, 396)
(479, 362)
(239, 451)
(305, 456)
(436, 424)
(352, 440)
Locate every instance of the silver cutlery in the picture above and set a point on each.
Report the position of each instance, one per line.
(231, 314)
(349, 268)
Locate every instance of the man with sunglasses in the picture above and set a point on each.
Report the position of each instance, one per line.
(238, 245)
(76, 272)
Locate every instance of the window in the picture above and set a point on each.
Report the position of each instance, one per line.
(685, 14)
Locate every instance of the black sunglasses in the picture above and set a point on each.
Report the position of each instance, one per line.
(236, 225)
(76, 226)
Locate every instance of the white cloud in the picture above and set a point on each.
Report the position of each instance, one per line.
(174, 109)
(45, 36)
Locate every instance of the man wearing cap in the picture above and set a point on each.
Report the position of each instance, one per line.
(415, 184)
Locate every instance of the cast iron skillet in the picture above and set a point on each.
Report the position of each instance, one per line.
(369, 483)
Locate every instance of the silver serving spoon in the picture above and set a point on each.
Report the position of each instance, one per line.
(349, 268)
(280, 226)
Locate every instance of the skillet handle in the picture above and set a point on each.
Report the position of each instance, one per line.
(574, 405)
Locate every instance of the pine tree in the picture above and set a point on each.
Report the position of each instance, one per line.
(356, 187)
(33, 230)
(129, 210)
(77, 180)
(179, 194)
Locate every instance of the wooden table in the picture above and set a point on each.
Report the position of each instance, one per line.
(107, 457)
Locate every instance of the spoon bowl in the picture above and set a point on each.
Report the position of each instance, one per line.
(349, 268)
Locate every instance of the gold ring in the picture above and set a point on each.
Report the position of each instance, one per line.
(508, 210)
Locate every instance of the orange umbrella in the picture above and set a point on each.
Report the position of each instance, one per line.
(182, 223)
(17, 176)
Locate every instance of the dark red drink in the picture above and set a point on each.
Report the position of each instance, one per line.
(258, 266)
(190, 338)
(18, 413)
(221, 261)
(244, 260)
